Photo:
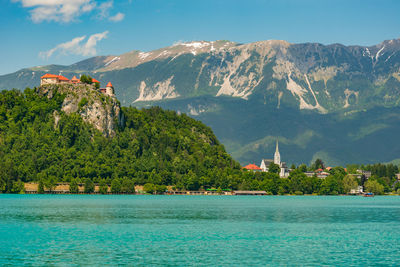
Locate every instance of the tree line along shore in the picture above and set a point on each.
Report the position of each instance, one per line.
(381, 179)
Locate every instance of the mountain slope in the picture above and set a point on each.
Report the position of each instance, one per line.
(333, 101)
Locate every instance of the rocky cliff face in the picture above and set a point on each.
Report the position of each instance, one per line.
(102, 111)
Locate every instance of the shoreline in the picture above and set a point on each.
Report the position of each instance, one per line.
(188, 194)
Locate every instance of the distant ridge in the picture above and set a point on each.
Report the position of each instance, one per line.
(332, 101)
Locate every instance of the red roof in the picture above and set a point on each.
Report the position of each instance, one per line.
(109, 84)
(319, 170)
(328, 168)
(48, 75)
(252, 167)
(62, 78)
(74, 79)
(95, 81)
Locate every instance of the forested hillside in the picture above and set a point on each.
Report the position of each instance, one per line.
(153, 146)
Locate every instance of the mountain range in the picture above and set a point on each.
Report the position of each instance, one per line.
(334, 102)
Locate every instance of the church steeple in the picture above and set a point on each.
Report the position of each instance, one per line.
(277, 155)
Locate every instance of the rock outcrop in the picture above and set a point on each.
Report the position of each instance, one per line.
(100, 110)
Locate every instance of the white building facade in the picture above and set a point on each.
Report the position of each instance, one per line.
(284, 171)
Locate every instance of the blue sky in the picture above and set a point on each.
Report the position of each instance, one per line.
(41, 32)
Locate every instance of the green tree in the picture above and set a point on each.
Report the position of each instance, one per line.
(73, 187)
(127, 186)
(103, 187)
(297, 182)
(116, 186)
(88, 186)
(18, 187)
(349, 182)
(41, 187)
(2, 185)
(331, 185)
(274, 168)
(160, 189)
(374, 187)
(86, 79)
(352, 168)
(149, 188)
(318, 164)
(219, 190)
(50, 183)
(302, 167)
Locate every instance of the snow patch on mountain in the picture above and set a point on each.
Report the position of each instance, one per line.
(160, 90)
(378, 53)
(143, 55)
(196, 44)
(115, 59)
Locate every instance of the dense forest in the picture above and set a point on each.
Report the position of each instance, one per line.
(154, 147)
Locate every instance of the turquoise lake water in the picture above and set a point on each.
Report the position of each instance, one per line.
(78, 230)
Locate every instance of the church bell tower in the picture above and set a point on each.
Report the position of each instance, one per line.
(277, 156)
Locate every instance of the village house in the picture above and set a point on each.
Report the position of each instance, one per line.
(320, 173)
(357, 191)
(59, 79)
(252, 167)
(367, 174)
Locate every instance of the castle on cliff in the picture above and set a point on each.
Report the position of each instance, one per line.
(59, 79)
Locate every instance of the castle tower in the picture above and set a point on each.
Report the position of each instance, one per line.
(109, 89)
(277, 156)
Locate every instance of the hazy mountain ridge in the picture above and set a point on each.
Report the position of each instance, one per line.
(266, 78)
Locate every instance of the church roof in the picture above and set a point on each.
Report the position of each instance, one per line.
(267, 160)
(109, 84)
(95, 81)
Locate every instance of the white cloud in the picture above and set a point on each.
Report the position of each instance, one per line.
(104, 12)
(67, 10)
(77, 46)
(104, 9)
(57, 10)
(118, 17)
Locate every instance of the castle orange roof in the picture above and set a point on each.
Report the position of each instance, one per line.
(109, 84)
(48, 75)
(74, 79)
(252, 167)
(62, 78)
(95, 81)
